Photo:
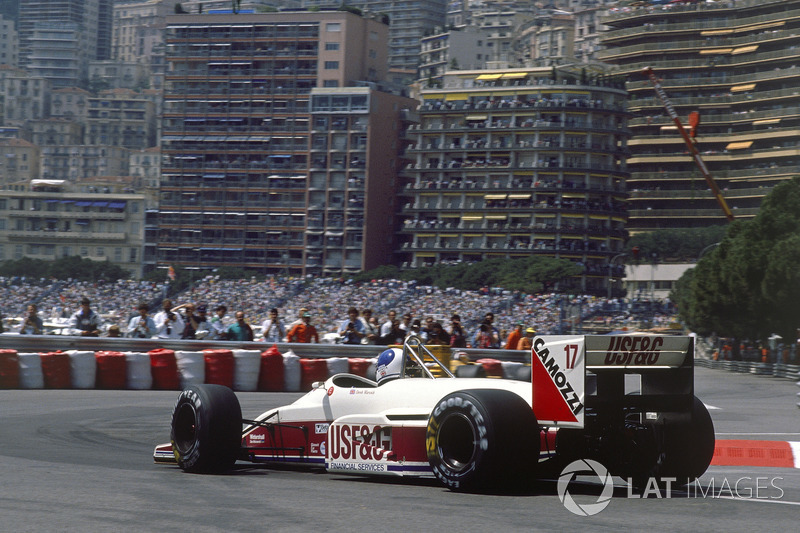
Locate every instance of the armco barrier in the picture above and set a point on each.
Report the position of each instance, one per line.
(271, 374)
(82, 368)
(56, 370)
(191, 368)
(247, 366)
(30, 371)
(56, 361)
(139, 371)
(9, 369)
(164, 368)
(111, 370)
(219, 367)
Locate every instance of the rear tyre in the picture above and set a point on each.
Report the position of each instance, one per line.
(688, 446)
(206, 429)
(483, 439)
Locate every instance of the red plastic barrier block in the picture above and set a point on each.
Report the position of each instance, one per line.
(493, 367)
(56, 370)
(164, 368)
(9, 369)
(360, 367)
(112, 370)
(312, 370)
(270, 375)
(220, 366)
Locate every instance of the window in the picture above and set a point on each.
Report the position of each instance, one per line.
(330, 83)
(333, 26)
(331, 46)
(118, 255)
(101, 252)
(84, 251)
(331, 65)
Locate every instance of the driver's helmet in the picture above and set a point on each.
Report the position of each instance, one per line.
(389, 366)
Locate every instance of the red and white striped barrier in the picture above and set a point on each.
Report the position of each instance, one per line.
(164, 369)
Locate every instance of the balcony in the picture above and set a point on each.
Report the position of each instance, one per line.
(42, 235)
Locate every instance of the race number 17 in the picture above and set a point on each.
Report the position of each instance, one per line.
(572, 354)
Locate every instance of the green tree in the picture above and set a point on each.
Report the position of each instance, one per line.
(749, 286)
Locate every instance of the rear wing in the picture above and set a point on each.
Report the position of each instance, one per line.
(573, 374)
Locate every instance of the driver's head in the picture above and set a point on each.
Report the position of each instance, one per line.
(389, 366)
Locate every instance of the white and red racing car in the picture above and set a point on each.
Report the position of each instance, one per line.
(625, 401)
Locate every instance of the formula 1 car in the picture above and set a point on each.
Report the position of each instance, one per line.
(625, 401)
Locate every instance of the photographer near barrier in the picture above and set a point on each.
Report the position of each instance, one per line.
(57, 361)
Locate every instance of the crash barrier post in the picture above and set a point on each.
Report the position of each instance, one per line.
(292, 375)
(511, 369)
(247, 364)
(111, 371)
(359, 366)
(337, 365)
(219, 367)
(312, 370)
(9, 369)
(271, 373)
(138, 371)
(55, 370)
(493, 367)
(30, 371)
(165, 369)
(191, 368)
(83, 369)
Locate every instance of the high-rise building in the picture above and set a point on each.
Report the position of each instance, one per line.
(57, 38)
(9, 45)
(257, 172)
(409, 21)
(519, 162)
(736, 64)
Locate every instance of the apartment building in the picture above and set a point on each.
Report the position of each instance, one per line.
(19, 160)
(25, 96)
(237, 146)
(357, 136)
(47, 219)
(409, 21)
(9, 45)
(457, 48)
(515, 162)
(736, 64)
(58, 38)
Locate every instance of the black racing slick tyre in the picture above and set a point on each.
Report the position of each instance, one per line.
(688, 446)
(482, 440)
(206, 429)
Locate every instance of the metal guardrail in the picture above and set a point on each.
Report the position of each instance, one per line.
(52, 343)
(778, 370)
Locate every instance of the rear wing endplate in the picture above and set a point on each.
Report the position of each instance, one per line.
(573, 373)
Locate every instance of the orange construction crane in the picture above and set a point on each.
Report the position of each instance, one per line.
(715, 190)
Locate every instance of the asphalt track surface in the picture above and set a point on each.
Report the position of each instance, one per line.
(81, 460)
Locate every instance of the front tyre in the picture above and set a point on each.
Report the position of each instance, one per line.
(206, 430)
(483, 439)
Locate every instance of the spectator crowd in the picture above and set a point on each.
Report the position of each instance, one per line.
(322, 309)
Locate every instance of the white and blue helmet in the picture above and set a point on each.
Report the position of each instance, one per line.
(389, 366)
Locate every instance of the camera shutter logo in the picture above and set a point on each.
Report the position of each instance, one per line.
(585, 466)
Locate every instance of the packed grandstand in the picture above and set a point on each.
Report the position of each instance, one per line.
(328, 299)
